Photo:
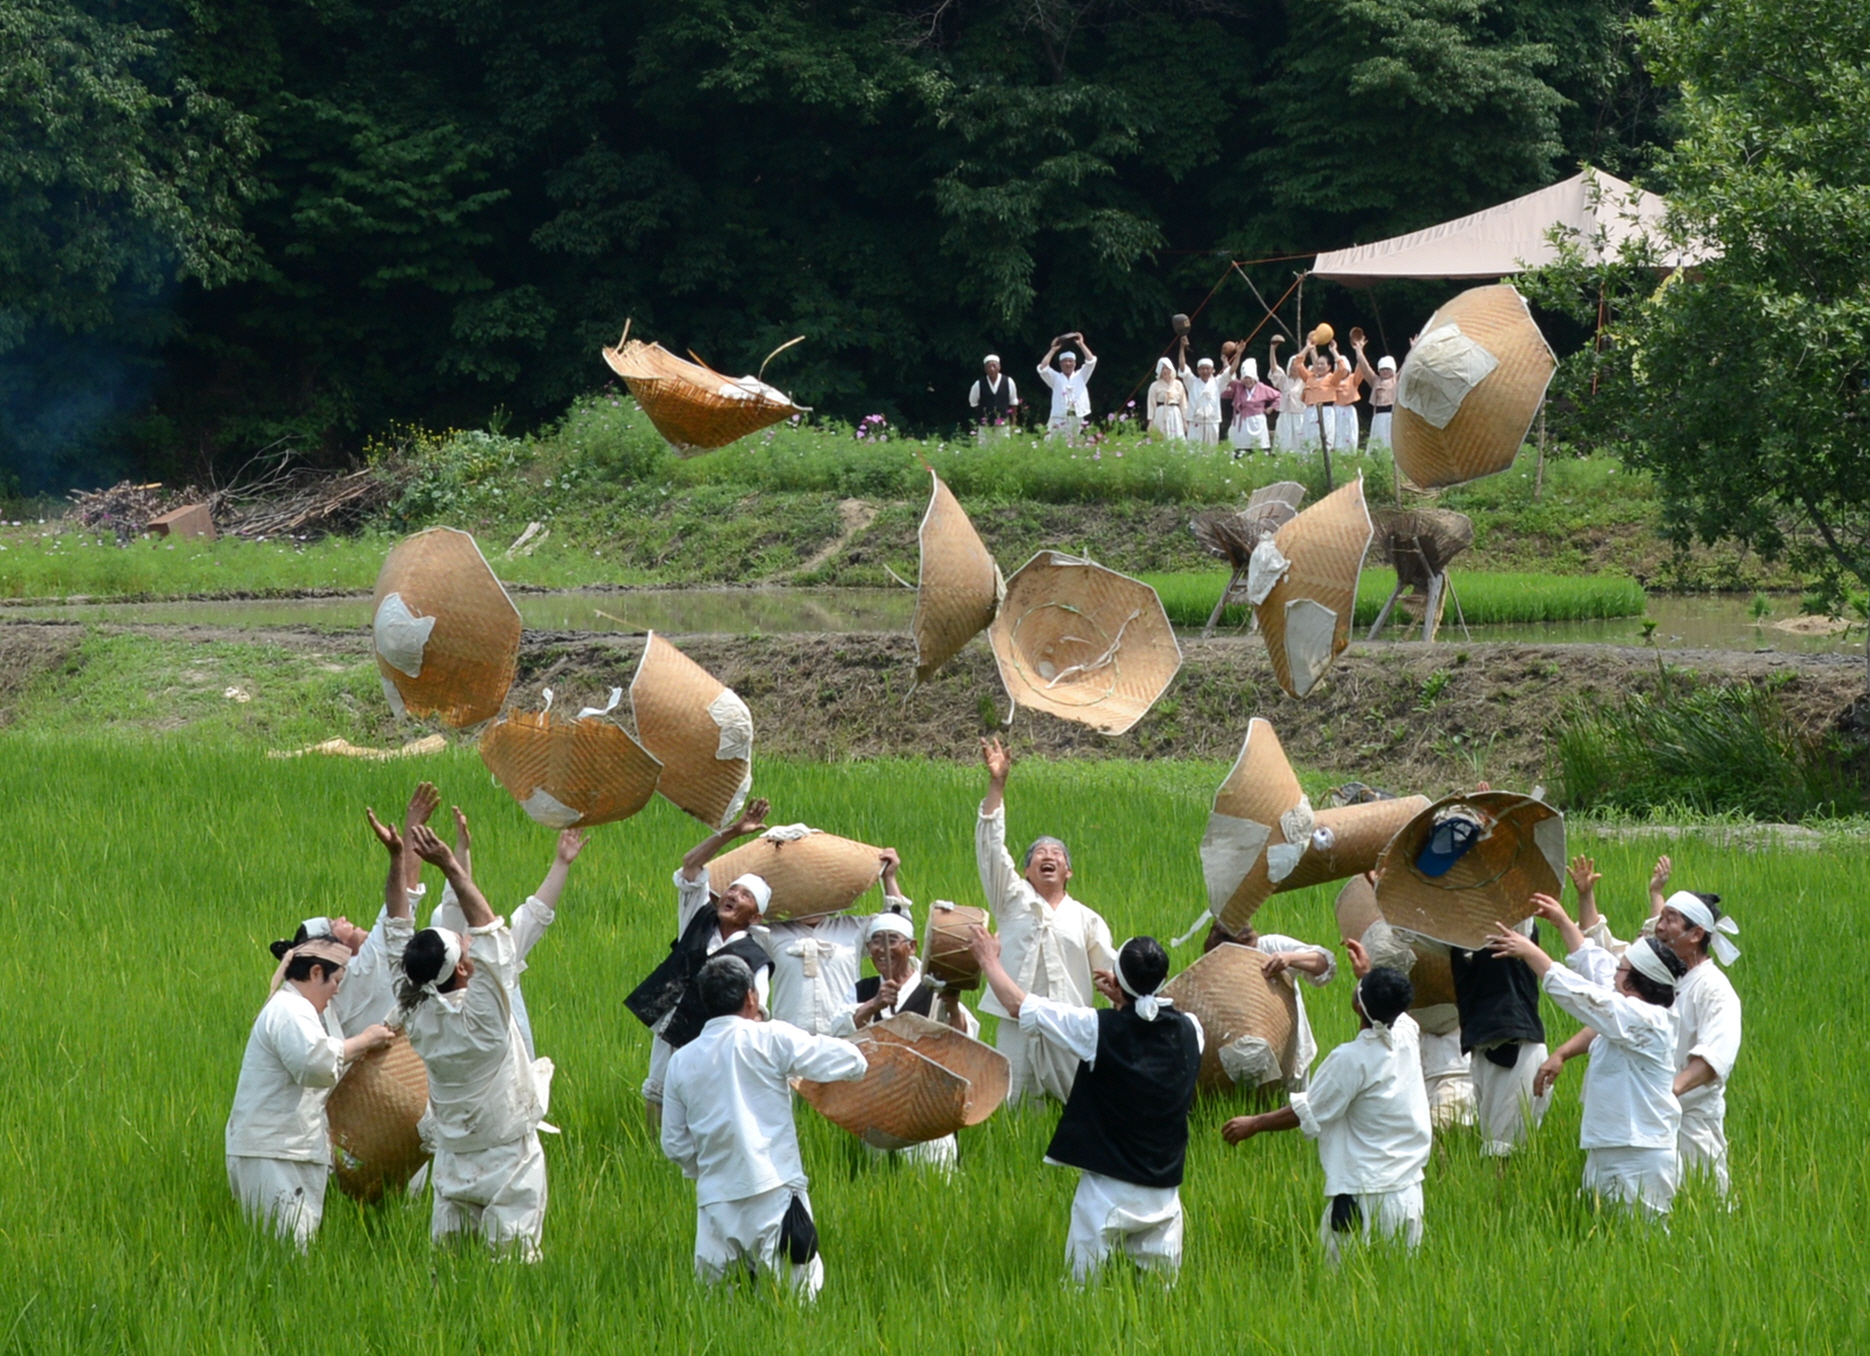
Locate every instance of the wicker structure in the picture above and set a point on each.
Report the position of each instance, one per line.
(1228, 992)
(566, 772)
(1420, 543)
(699, 730)
(1083, 643)
(444, 632)
(945, 953)
(1233, 534)
(1429, 970)
(925, 1081)
(696, 408)
(1306, 616)
(811, 874)
(1521, 851)
(958, 588)
(372, 1116)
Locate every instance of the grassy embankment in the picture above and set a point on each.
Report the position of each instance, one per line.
(149, 877)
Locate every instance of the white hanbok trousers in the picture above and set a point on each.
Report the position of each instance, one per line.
(498, 1193)
(1109, 1216)
(1286, 431)
(740, 1238)
(1305, 434)
(1344, 434)
(286, 1194)
(1206, 431)
(1169, 423)
(1642, 1179)
(1249, 431)
(1380, 429)
(659, 1052)
(1701, 1147)
(1386, 1215)
(1504, 1105)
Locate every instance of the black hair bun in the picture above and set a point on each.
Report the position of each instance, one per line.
(279, 949)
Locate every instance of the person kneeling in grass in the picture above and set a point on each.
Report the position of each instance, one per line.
(1125, 1126)
(1368, 1109)
(1631, 1114)
(486, 1098)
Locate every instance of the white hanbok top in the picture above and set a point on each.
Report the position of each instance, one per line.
(1012, 391)
(368, 993)
(1629, 1098)
(1304, 1044)
(1204, 397)
(294, 1058)
(1368, 1110)
(1049, 952)
(530, 920)
(1074, 1027)
(691, 896)
(815, 967)
(1070, 395)
(727, 1104)
(1709, 1015)
(482, 1085)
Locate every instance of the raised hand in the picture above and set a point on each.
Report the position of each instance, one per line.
(1549, 909)
(984, 945)
(391, 840)
(463, 839)
(1503, 941)
(752, 819)
(1360, 958)
(570, 844)
(1659, 878)
(1584, 875)
(998, 760)
(1275, 965)
(430, 848)
(422, 803)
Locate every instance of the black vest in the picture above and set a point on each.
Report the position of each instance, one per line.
(1127, 1116)
(1497, 997)
(671, 985)
(922, 1001)
(994, 404)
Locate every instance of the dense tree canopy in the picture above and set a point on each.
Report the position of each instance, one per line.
(306, 221)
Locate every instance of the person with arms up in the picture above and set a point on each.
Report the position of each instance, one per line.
(815, 959)
(727, 1123)
(1070, 386)
(1052, 942)
(1497, 997)
(1204, 399)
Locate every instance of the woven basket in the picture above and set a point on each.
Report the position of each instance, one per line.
(958, 587)
(1358, 835)
(1083, 643)
(372, 1115)
(684, 401)
(686, 718)
(1492, 882)
(1487, 431)
(1325, 545)
(945, 953)
(1259, 788)
(467, 662)
(1229, 994)
(1432, 975)
(818, 874)
(566, 772)
(925, 1081)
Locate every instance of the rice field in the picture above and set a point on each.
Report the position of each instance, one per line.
(1486, 598)
(141, 879)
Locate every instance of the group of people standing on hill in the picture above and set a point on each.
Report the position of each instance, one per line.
(741, 1006)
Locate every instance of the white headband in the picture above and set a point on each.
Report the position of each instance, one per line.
(1695, 909)
(891, 921)
(1386, 364)
(757, 887)
(1148, 1005)
(451, 957)
(990, 358)
(1644, 958)
(1384, 1034)
(317, 927)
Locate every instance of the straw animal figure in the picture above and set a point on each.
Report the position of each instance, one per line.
(1420, 543)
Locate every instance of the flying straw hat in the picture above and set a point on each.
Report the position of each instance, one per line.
(958, 587)
(445, 634)
(1228, 992)
(1083, 643)
(1468, 391)
(372, 1116)
(1316, 558)
(1345, 840)
(1259, 789)
(698, 728)
(812, 873)
(565, 772)
(945, 952)
(925, 1080)
(1430, 972)
(696, 408)
(1514, 847)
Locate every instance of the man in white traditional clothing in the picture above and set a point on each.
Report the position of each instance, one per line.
(1070, 386)
(727, 1123)
(994, 398)
(815, 960)
(1631, 1114)
(1204, 399)
(1125, 1125)
(1368, 1110)
(1285, 958)
(278, 1145)
(487, 1096)
(1052, 942)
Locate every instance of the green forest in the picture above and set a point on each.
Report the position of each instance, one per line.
(230, 225)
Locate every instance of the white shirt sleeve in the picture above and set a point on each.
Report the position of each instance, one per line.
(678, 1144)
(1617, 1018)
(824, 1059)
(691, 896)
(973, 395)
(1098, 948)
(1717, 1040)
(1049, 376)
(1012, 392)
(530, 921)
(1064, 1024)
(312, 1056)
(1274, 944)
(1332, 1089)
(999, 874)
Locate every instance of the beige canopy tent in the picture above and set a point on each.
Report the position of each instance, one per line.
(1511, 238)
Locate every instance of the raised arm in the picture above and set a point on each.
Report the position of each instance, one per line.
(1364, 370)
(1554, 913)
(395, 888)
(752, 820)
(422, 804)
(999, 763)
(1089, 356)
(473, 903)
(570, 844)
(1584, 878)
(986, 949)
(1659, 885)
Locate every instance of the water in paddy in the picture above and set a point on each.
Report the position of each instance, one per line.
(1700, 621)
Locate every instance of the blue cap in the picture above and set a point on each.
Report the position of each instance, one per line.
(1448, 842)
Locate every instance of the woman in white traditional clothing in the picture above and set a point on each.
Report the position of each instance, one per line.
(1291, 410)
(1167, 403)
(1250, 399)
(1343, 411)
(1382, 396)
(278, 1144)
(1631, 1114)
(1204, 399)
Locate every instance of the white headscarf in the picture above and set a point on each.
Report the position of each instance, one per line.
(1695, 909)
(1643, 958)
(1165, 370)
(1148, 1005)
(1250, 371)
(757, 887)
(1386, 364)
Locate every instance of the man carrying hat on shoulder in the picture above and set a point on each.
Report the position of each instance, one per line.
(666, 1001)
(1070, 385)
(1125, 1126)
(994, 398)
(1053, 944)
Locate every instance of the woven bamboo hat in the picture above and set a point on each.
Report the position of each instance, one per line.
(925, 1081)
(1518, 848)
(1468, 391)
(958, 587)
(565, 772)
(1430, 972)
(445, 634)
(812, 873)
(1306, 616)
(945, 952)
(1344, 840)
(372, 1116)
(1227, 991)
(699, 730)
(1083, 643)
(693, 406)
(1259, 790)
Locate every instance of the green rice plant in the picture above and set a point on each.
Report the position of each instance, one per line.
(1487, 599)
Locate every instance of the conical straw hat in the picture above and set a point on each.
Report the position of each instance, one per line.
(1344, 840)
(445, 634)
(696, 408)
(1521, 853)
(1466, 395)
(1083, 643)
(945, 953)
(372, 1115)
(1306, 618)
(1228, 992)
(566, 772)
(958, 587)
(698, 728)
(1429, 972)
(1258, 790)
(811, 875)
(924, 1082)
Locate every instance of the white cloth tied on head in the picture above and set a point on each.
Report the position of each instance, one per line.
(1149, 1005)
(1164, 367)
(327, 949)
(1386, 364)
(990, 358)
(757, 887)
(451, 959)
(1381, 1029)
(1643, 958)
(317, 927)
(1695, 909)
